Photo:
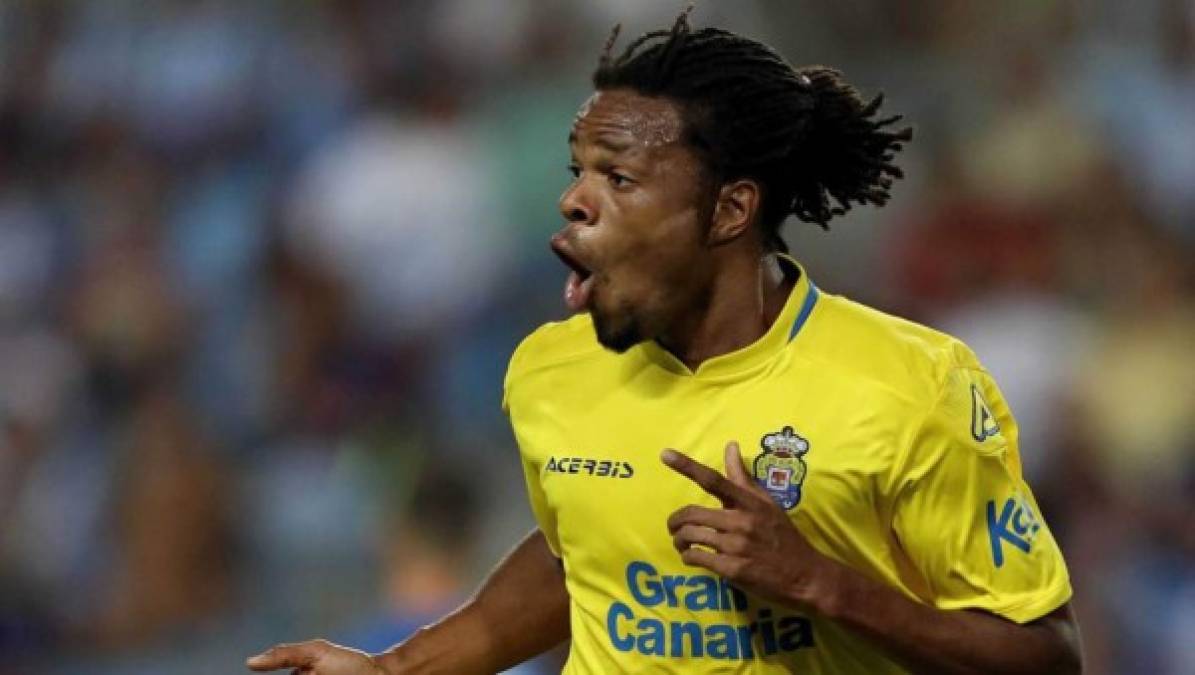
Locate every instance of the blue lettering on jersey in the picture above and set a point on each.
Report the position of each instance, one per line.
(1017, 525)
(760, 635)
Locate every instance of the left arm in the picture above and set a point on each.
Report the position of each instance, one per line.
(751, 542)
(931, 640)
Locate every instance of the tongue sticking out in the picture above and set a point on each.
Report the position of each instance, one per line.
(577, 291)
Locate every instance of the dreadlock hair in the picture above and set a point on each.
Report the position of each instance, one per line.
(806, 136)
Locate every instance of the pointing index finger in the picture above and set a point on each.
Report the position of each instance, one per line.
(709, 480)
(282, 656)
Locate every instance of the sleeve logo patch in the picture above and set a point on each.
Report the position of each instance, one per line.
(983, 422)
(1017, 525)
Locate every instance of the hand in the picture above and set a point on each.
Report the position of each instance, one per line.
(750, 540)
(316, 657)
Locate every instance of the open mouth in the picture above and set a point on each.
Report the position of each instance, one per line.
(578, 289)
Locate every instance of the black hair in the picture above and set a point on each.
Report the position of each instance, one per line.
(805, 135)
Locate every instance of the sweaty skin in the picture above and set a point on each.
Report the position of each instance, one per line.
(618, 114)
(664, 245)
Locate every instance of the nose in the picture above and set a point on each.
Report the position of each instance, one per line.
(576, 206)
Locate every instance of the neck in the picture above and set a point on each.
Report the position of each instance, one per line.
(743, 301)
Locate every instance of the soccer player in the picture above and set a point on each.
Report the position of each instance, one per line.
(870, 515)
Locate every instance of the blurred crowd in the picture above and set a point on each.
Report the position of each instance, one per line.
(262, 266)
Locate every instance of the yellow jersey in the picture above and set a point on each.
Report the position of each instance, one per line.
(886, 442)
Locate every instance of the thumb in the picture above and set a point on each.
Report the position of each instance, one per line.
(301, 655)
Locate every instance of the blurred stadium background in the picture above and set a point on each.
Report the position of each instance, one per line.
(262, 264)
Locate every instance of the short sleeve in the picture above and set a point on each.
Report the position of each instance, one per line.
(515, 409)
(964, 515)
(545, 517)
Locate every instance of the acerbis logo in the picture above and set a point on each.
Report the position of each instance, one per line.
(602, 468)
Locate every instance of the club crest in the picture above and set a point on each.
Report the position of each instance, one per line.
(779, 469)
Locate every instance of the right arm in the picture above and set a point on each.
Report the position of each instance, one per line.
(520, 611)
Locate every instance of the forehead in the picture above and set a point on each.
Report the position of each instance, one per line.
(624, 119)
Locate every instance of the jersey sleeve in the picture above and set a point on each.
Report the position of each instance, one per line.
(964, 515)
(545, 517)
(517, 409)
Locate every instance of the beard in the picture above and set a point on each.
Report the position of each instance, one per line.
(617, 332)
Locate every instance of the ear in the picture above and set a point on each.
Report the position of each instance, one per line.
(738, 202)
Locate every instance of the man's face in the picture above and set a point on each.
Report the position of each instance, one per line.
(638, 210)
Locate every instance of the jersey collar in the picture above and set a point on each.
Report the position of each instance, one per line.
(792, 318)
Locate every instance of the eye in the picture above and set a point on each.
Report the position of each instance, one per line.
(619, 180)
(574, 170)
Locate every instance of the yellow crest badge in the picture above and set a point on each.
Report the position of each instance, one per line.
(779, 468)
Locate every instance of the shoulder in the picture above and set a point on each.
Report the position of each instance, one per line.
(907, 359)
(943, 406)
(553, 345)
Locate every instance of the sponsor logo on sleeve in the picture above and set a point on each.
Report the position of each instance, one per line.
(1014, 524)
(983, 422)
